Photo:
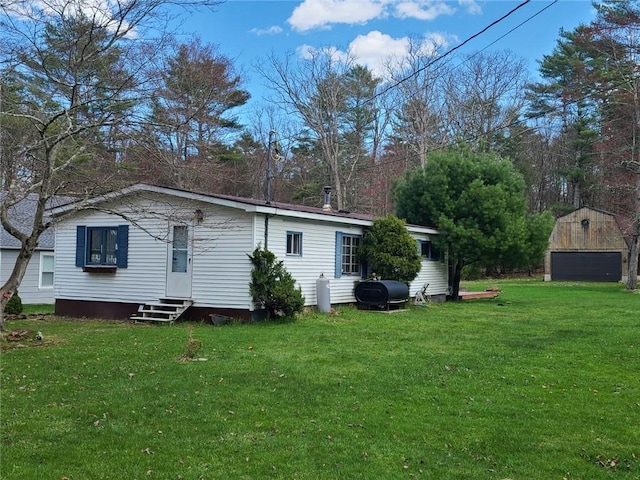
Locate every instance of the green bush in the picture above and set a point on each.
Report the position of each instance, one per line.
(390, 251)
(14, 305)
(272, 287)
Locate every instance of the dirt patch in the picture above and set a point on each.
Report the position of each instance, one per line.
(21, 338)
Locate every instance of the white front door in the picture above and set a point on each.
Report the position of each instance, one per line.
(179, 262)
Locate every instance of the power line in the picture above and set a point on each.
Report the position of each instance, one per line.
(450, 51)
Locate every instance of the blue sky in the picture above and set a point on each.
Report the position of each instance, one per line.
(247, 31)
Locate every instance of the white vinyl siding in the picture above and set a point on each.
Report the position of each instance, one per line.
(144, 280)
(221, 243)
(433, 272)
(221, 268)
(29, 289)
(318, 258)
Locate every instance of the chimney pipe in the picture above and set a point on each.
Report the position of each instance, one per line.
(327, 198)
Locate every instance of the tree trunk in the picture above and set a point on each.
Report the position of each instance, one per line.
(632, 279)
(455, 284)
(11, 285)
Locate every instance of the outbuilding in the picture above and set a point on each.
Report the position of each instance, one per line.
(587, 245)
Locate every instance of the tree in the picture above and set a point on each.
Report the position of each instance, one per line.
(477, 203)
(78, 71)
(563, 97)
(593, 75)
(191, 107)
(327, 92)
(390, 251)
(420, 119)
(484, 97)
(272, 287)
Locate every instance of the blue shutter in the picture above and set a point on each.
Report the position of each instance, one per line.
(81, 243)
(123, 246)
(364, 269)
(338, 269)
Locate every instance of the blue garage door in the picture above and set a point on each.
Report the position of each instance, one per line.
(586, 266)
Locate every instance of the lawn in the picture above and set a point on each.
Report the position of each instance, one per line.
(541, 383)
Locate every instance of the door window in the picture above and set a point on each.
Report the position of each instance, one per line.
(180, 253)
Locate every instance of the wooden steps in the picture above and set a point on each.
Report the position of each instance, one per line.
(166, 310)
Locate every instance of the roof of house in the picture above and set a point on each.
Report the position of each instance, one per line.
(246, 204)
(21, 216)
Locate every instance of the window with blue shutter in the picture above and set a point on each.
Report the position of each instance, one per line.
(81, 241)
(102, 246)
(347, 259)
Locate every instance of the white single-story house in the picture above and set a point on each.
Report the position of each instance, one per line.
(145, 243)
(37, 285)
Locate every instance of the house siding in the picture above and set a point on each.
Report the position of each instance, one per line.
(222, 239)
(221, 267)
(143, 280)
(29, 290)
(433, 272)
(219, 247)
(318, 256)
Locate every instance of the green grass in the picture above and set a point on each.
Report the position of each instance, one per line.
(37, 309)
(541, 383)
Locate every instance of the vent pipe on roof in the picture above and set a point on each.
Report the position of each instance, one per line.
(327, 199)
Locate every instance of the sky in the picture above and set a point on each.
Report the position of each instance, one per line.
(370, 30)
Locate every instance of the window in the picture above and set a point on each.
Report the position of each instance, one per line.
(294, 243)
(180, 249)
(46, 270)
(102, 246)
(347, 261)
(429, 251)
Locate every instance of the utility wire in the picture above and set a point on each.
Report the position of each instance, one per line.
(449, 52)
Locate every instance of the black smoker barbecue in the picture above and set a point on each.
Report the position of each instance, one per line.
(381, 293)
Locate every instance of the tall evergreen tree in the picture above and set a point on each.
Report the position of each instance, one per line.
(477, 203)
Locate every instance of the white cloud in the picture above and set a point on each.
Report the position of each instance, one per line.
(274, 30)
(471, 6)
(375, 48)
(423, 9)
(436, 42)
(379, 52)
(318, 14)
(312, 14)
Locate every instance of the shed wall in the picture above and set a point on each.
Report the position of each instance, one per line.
(586, 230)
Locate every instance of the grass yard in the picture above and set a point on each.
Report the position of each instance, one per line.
(541, 383)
